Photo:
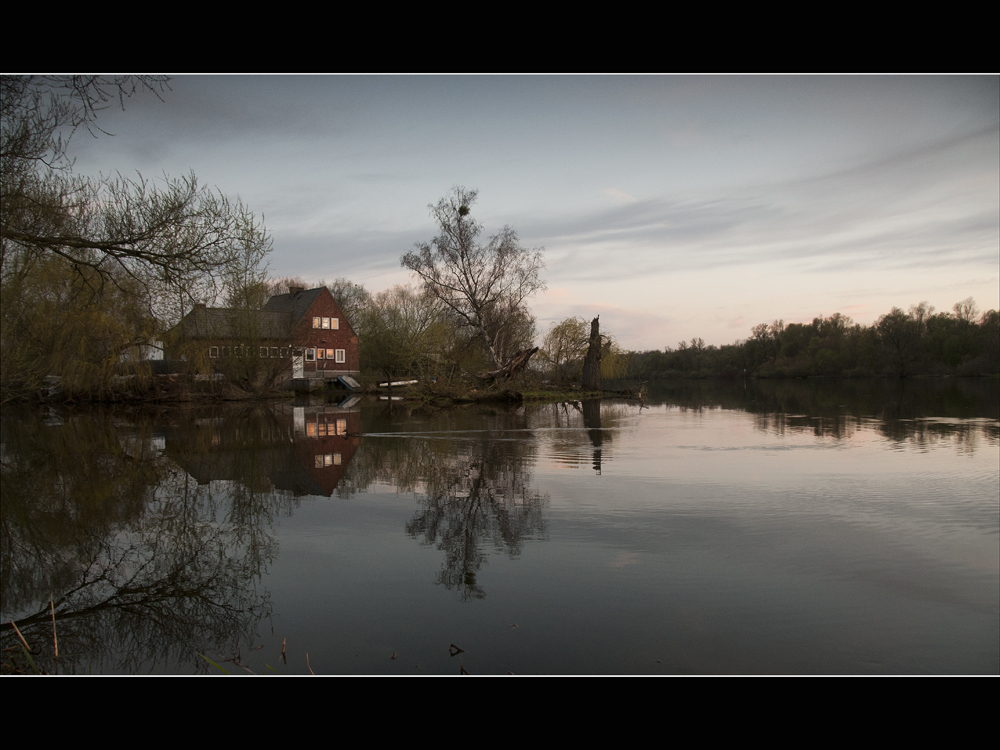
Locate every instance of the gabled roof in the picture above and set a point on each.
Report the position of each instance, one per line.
(275, 321)
(226, 323)
(298, 305)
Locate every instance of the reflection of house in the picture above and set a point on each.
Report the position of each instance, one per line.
(306, 327)
(301, 450)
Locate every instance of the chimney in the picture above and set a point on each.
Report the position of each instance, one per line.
(294, 290)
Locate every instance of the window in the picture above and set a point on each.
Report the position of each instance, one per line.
(263, 351)
(225, 351)
(322, 460)
(274, 352)
(310, 355)
(335, 324)
(321, 354)
(326, 322)
(341, 356)
(213, 352)
(329, 353)
(317, 322)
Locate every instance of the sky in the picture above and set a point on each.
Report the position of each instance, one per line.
(672, 206)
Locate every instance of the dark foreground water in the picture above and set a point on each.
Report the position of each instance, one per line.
(811, 527)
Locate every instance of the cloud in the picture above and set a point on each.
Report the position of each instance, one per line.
(619, 196)
(933, 205)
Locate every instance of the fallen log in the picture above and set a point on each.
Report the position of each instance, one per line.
(517, 363)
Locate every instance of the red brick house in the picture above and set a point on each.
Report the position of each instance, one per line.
(318, 327)
(305, 327)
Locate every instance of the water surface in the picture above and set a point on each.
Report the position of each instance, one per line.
(820, 527)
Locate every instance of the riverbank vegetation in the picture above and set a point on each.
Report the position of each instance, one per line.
(964, 342)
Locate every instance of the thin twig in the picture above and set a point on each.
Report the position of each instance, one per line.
(308, 667)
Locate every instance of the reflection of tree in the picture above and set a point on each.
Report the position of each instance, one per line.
(478, 497)
(474, 490)
(146, 566)
(578, 433)
(906, 410)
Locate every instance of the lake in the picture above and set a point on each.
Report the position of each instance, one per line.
(806, 527)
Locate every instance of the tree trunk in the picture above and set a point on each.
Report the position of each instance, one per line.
(517, 363)
(592, 362)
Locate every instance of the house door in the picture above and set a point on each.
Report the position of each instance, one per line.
(298, 364)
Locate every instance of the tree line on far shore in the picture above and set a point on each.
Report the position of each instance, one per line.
(963, 341)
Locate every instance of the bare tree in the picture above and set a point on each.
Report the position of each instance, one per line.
(486, 285)
(160, 233)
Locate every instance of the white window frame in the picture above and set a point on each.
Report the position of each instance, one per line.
(341, 356)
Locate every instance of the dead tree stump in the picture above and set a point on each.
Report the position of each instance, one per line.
(592, 362)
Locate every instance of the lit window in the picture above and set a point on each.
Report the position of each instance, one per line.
(326, 322)
(329, 353)
(341, 356)
(335, 324)
(321, 354)
(316, 322)
(341, 426)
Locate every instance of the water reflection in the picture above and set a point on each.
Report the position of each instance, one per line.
(156, 531)
(473, 487)
(152, 532)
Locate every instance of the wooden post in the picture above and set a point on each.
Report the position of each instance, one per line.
(592, 362)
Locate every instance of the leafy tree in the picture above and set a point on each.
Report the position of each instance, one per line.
(398, 324)
(164, 244)
(564, 347)
(486, 286)
(899, 335)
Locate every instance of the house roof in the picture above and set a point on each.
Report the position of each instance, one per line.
(225, 323)
(275, 321)
(298, 304)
